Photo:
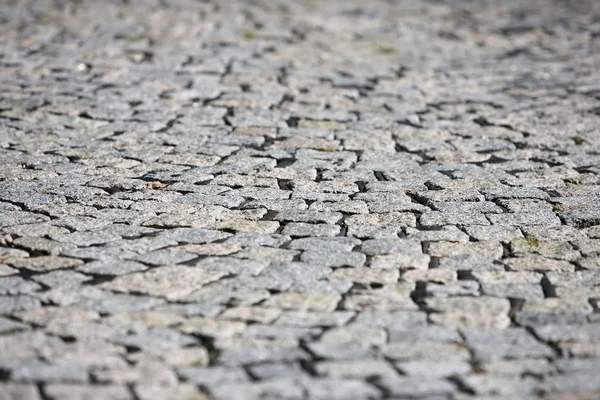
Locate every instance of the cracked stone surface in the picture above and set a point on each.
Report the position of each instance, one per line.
(218, 200)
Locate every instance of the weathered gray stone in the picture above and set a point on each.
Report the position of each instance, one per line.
(228, 265)
(470, 311)
(171, 282)
(415, 386)
(12, 285)
(156, 339)
(43, 263)
(300, 229)
(285, 388)
(490, 344)
(334, 258)
(297, 200)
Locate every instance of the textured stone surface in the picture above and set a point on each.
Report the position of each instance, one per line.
(299, 200)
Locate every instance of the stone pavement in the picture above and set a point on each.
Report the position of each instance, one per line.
(299, 199)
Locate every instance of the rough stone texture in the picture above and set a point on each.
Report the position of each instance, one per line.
(299, 199)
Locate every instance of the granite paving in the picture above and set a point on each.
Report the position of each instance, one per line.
(273, 199)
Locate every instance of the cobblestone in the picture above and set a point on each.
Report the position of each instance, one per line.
(299, 200)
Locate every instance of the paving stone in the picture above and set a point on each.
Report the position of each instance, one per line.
(140, 321)
(335, 388)
(43, 263)
(583, 349)
(12, 218)
(325, 186)
(169, 393)
(354, 368)
(229, 265)
(112, 267)
(17, 285)
(567, 365)
(211, 327)
(40, 244)
(309, 216)
(378, 225)
(557, 233)
(147, 370)
(401, 260)
(470, 311)
(451, 289)
(420, 350)
(525, 218)
(533, 318)
(257, 239)
(336, 244)
(251, 314)
(556, 305)
(495, 233)
(87, 238)
(448, 249)
(44, 316)
(70, 391)
(247, 350)
(267, 254)
(390, 297)
(18, 391)
(212, 376)
(415, 386)
(342, 351)
(355, 333)
(156, 339)
(590, 263)
(259, 284)
(556, 250)
(279, 204)
(538, 263)
(581, 214)
(62, 278)
(334, 258)
(350, 207)
(465, 262)
(390, 246)
(301, 229)
(11, 304)
(366, 275)
(448, 233)
(434, 369)
(518, 367)
(193, 235)
(433, 219)
(284, 388)
(587, 247)
(323, 302)
(165, 257)
(490, 344)
(491, 385)
(38, 371)
(436, 275)
(390, 320)
(5, 270)
(433, 333)
(171, 282)
(578, 279)
(38, 230)
(10, 326)
(566, 333)
(281, 332)
(514, 291)
(275, 370)
(318, 319)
